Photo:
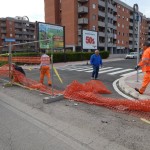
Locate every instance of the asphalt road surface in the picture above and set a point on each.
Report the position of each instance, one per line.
(110, 72)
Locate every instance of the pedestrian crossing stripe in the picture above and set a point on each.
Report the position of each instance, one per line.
(125, 70)
(108, 70)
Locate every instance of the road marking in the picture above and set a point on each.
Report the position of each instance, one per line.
(145, 120)
(101, 69)
(131, 73)
(119, 92)
(109, 70)
(117, 72)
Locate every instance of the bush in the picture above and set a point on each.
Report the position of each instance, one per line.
(2, 63)
(64, 57)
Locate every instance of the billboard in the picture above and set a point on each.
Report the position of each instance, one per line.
(89, 39)
(54, 34)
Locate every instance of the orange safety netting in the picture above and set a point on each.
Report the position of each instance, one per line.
(18, 77)
(89, 92)
(22, 59)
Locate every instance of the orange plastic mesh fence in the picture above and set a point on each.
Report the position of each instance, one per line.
(18, 77)
(22, 59)
(88, 92)
(76, 91)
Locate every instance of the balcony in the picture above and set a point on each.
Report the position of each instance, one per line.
(130, 38)
(110, 25)
(3, 31)
(101, 24)
(102, 14)
(3, 25)
(82, 9)
(101, 3)
(115, 18)
(83, 21)
(131, 23)
(101, 44)
(110, 15)
(114, 27)
(115, 9)
(131, 31)
(102, 34)
(79, 32)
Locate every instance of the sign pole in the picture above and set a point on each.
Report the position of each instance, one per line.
(10, 62)
(52, 52)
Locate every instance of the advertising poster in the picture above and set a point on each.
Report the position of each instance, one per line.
(54, 34)
(89, 39)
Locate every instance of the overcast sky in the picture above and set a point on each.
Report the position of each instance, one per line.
(34, 9)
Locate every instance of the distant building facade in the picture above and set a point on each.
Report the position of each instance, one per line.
(20, 29)
(113, 19)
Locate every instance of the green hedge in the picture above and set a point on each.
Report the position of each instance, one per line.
(66, 57)
(2, 63)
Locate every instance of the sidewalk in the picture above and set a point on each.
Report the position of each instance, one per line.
(128, 83)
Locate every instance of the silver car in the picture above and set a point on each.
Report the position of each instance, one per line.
(131, 55)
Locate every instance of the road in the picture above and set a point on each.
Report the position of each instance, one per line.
(72, 125)
(82, 73)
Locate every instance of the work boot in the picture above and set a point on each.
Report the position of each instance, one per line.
(138, 90)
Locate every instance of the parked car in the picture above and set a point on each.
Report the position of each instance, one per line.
(131, 55)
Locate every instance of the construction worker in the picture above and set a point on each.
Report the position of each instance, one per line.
(96, 62)
(45, 67)
(145, 66)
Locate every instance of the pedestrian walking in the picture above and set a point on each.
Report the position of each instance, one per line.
(96, 62)
(145, 66)
(45, 67)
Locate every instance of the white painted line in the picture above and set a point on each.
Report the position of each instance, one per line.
(109, 70)
(101, 69)
(117, 72)
(85, 69)
(119, 92)
(131, 73)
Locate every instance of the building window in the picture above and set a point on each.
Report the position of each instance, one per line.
(127, 19)
(118, 24)
(118, 41)
(122, 9)
(122, 17)
(94, 6)
(11, 35)
(122, 42)
(94, 17)
(123, 26)
(94, 28)
(118, 6)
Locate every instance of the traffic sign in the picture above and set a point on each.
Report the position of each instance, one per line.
(10, 40)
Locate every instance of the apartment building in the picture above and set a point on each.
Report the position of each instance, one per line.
(113, 19)
(18, 28)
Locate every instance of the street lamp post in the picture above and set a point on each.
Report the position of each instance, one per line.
(137, 18)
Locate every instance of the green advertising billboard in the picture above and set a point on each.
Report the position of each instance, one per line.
(50, 36)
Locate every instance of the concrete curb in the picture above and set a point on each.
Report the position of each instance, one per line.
(130, 91)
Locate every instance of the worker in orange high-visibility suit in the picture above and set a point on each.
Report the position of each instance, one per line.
(45, 68)
(145, 66)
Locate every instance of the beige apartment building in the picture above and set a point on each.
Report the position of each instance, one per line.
(112, 19)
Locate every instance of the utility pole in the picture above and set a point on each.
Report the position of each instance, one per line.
(137, 18)
(106, 25)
